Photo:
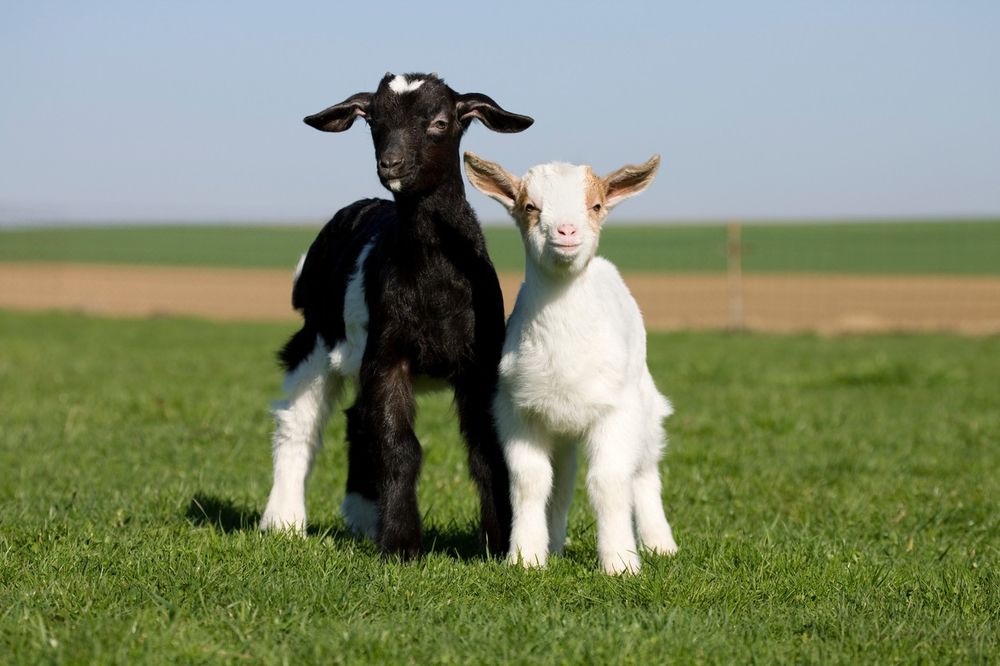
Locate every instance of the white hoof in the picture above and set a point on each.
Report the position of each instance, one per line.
(360, 515)
(527, 560)
(620, 563)
(666, 547)
(284, 517)
(274, 523)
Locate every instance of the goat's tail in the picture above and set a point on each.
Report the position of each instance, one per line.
(298, 348)
(666, 408)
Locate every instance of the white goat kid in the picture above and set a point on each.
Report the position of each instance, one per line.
(574, 370)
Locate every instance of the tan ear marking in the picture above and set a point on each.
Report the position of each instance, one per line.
(630, 180)
(595, 195)
(492, 179)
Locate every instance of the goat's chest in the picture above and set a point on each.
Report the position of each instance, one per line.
(564, 369)
(432, 320)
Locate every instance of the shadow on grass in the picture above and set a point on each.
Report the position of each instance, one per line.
(210, 511)
(459, 542)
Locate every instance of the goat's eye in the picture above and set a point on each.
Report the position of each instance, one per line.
(596, 208)
(528, 208)
(439, 125)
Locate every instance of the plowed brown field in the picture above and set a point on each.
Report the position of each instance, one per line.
(785, 302)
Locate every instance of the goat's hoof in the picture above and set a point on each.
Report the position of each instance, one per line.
(495, 544)
(402, 554)
(400, 547)
(616, 564)
(665, 548)
(291, 526)
(527, 560)
(360, 515)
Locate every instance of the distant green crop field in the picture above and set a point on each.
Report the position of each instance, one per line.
(835, 501)
(946, 247)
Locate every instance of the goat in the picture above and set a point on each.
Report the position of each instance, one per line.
(391, 292)
(573, 369)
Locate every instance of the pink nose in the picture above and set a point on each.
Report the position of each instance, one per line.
(566, 230)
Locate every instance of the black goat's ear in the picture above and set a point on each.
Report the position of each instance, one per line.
(340, 117)
(477, 105)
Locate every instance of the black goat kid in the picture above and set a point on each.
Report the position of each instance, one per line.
(392, 292)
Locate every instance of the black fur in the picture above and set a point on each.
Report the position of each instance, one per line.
(434, 302)
(320, 288)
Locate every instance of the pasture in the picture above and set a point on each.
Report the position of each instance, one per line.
(955, 247)
(833, 278)
(835, 500)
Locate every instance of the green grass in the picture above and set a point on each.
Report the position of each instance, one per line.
(946, 247)
(835, 500)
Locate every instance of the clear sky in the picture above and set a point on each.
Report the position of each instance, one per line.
(774, 108)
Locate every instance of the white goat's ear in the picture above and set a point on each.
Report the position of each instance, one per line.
(477, 105)
(340, 117)
(630, 180)
(492, 180)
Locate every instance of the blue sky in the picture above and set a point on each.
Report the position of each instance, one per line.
(192, 110)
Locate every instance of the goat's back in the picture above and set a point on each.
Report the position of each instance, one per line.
(319, 289)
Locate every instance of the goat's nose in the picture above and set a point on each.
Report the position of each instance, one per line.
(390, 162)
(567, 230)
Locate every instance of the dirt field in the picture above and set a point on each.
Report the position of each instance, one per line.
(827, 304)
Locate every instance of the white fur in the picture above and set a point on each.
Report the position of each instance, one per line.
(400, 85)
(298, 268)
(298, 434)
(311, 390)
(345, 359)
(574, 371)
(360, 514)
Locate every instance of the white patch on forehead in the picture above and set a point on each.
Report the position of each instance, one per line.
(400, 85)
(558, 189)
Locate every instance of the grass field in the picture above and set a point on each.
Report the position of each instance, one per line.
(835, 500)
(946, 247)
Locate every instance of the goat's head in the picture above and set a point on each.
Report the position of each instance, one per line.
(416, 122)
(559, 208)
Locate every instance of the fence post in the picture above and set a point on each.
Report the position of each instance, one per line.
(734, 263)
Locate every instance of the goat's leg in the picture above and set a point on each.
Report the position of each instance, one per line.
(388, 408)
(527, 454)
(650, 520)
(613, 449)
(531, 484)
(564, 477)
(486, 462)
(360, 505)
(298, 434)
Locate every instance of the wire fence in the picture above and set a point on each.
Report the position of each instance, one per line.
(817, 300)
(836, 278)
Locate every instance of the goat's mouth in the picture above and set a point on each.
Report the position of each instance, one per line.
(396, 181)
(565, 247)
(565, 251)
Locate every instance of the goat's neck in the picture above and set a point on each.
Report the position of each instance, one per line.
(443, 206)
(548, 285)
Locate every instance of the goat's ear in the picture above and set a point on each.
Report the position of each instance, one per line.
(492, 180)
(340, 117)
(477, 105)
(630, 180)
